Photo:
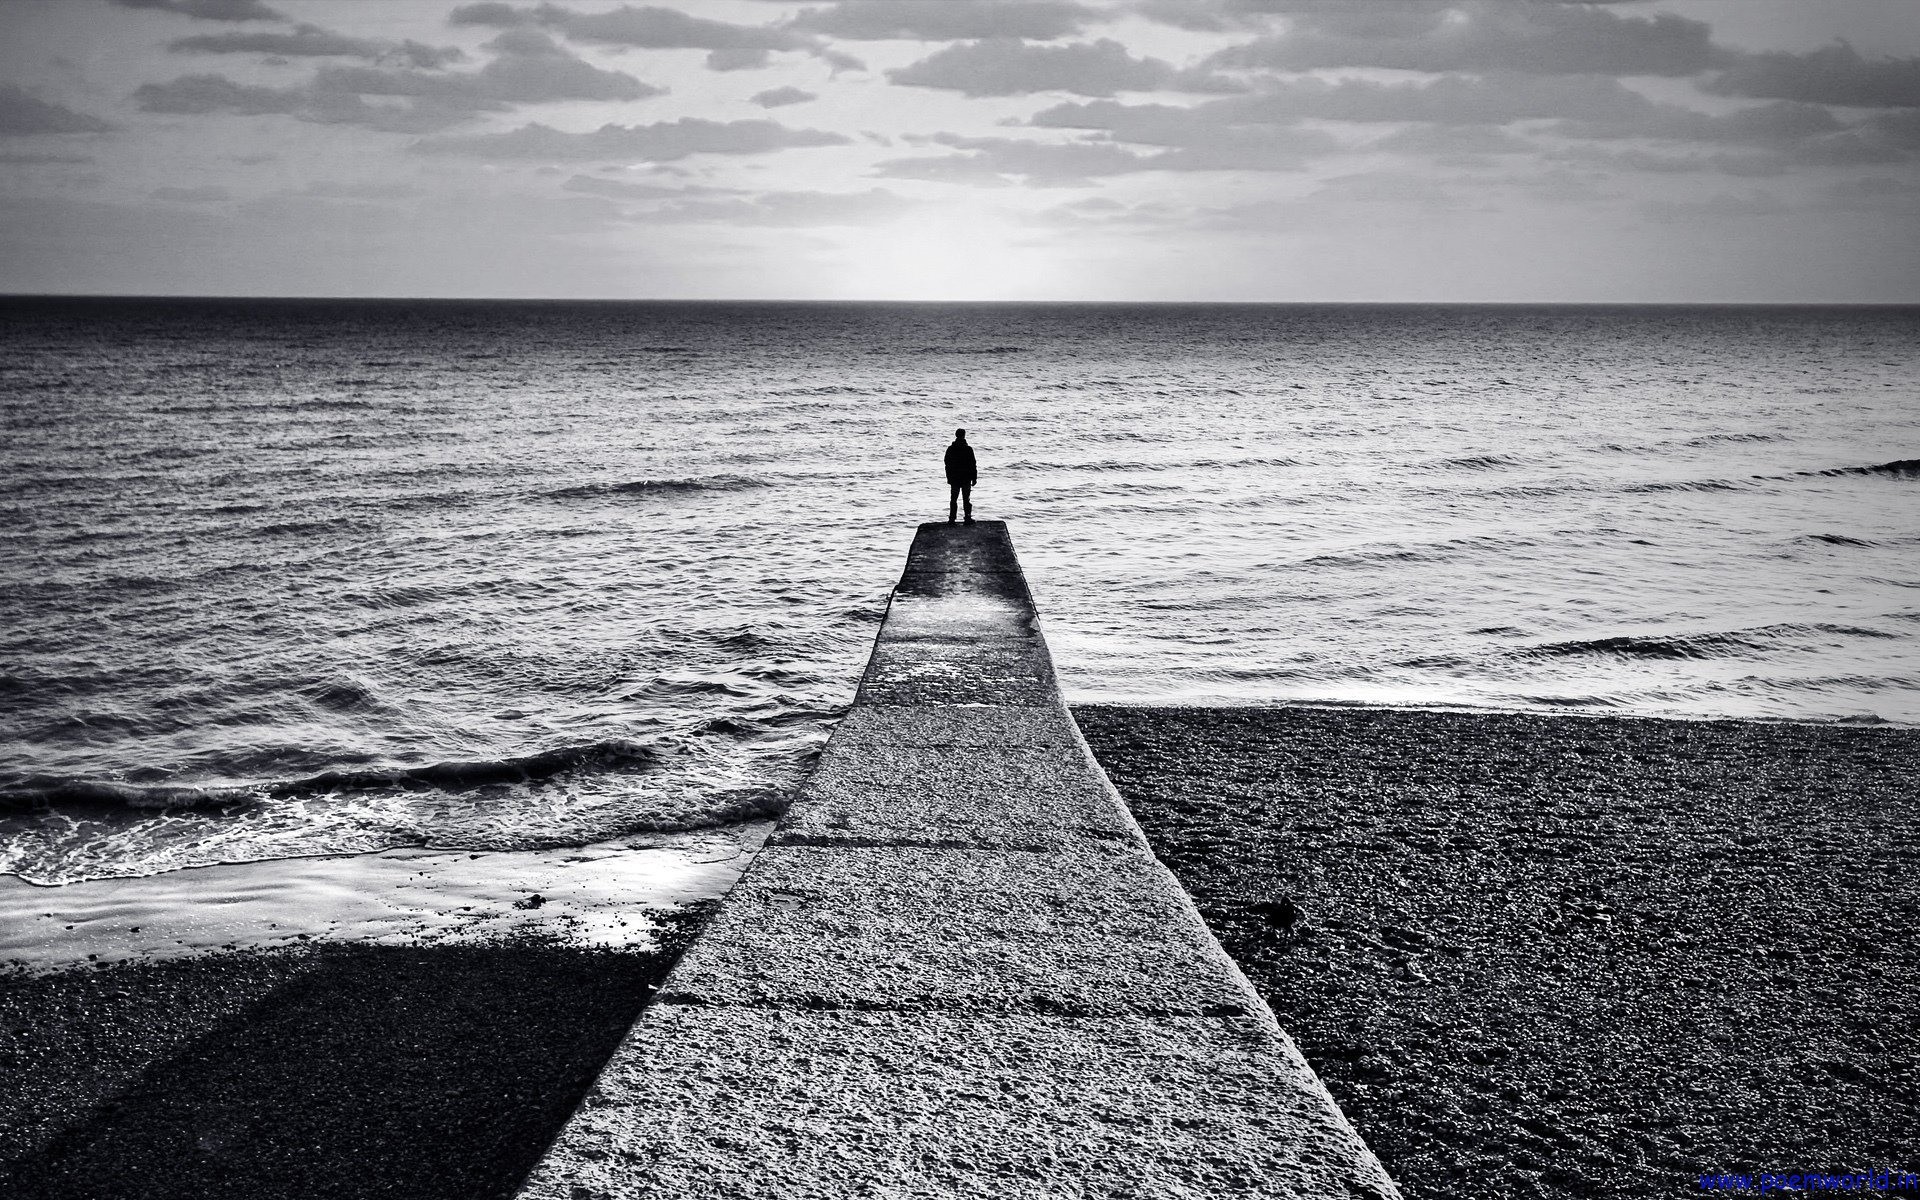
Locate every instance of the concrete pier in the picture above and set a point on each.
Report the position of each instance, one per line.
(957, 969)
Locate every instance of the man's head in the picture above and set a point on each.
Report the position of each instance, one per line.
(959, 435)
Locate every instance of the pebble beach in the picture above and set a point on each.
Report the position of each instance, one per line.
(1540, 956)
(328, 1070)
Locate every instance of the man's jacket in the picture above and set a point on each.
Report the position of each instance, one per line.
(961, 471)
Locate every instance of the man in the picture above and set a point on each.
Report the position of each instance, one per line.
(962, 473)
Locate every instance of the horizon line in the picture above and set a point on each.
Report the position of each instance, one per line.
(496, 299)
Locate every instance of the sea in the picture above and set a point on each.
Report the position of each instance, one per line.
(290, 579)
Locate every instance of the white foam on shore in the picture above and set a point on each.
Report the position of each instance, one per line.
(606, 894)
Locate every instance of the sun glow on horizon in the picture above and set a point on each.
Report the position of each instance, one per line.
(949, 253)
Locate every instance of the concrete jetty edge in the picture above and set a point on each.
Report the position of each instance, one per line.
(956, 969)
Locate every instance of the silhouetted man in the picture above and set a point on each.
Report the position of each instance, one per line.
(962, 473)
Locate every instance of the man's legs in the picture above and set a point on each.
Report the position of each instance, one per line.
(966, 494)
(953, 503)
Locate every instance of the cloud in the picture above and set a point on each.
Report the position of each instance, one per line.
(1835, 74)
(620, 189)
(1105, 213)
(1719, 207)
(1451, 141)
(665, 141)
(947, 20)
(304, 41)
(195, 95)
(993, 161)
(1479, 35)
(996, 161)
(1874, 193)
(1767, 124)
(417, 54)
(1250, 130)
(23, 114)
(1886, 137)
(192, 194)
(780, 97)
(1900, 129)
(1011, 67)
(311, 41)
(200, 95)
(528, 68)
(209, 10)
(1668, 161)
(732, 47)
(327, 189)
(34, 159)
(1451, 100)
(791, 210)
(1278, 149)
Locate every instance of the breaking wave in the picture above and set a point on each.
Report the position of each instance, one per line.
(1698, 645)
(1899, 468)
(612, 755)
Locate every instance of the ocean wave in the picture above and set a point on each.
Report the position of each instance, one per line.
(1213, 463)
(1438, 551)
(171, 453)
(1714, 439)
(1478, 462)
(1703, 645)
(608, 756)
(1031, 465)
(951, 350)
(1521, 491)
(283, 528)
(341, 695)
(1691, 485)
(830, 389)
(1899, 468)
(1081, 385)
(1837, 539)
(331, 404)
(656, 487)
(1122, 435)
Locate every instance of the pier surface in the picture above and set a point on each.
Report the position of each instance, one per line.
(956, 969)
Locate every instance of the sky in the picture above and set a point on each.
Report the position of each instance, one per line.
(1197, 150)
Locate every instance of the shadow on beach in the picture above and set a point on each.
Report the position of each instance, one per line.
(329, 1070)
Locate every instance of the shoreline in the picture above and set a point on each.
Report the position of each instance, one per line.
(1865, 721)
(599, 894)
(1534, 957)
(1559, 958)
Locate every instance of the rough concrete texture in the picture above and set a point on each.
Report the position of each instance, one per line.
(830, 1105)
(1103, 930)
(1018, 798)
(956, 970)
(971, 727)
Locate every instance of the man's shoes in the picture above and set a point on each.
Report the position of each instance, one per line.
(969, 520)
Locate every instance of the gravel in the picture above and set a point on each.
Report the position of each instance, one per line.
(1539, 956)
(338, 1069)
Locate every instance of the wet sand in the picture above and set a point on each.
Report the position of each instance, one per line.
(340, 1069)
(1562, 956)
